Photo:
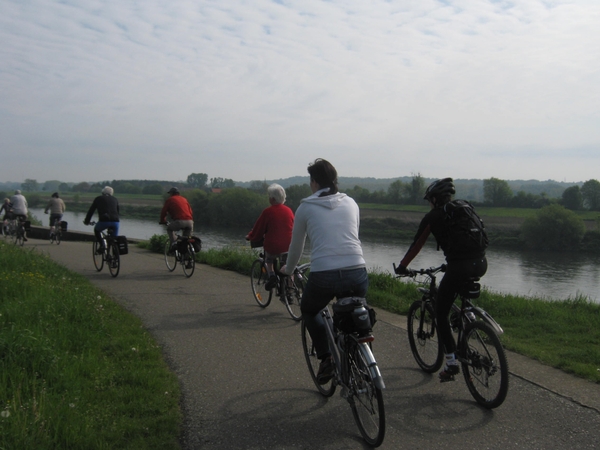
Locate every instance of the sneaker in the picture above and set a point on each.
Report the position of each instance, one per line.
(448, 373)
(325, 371)
(24, 239)
(271, 283)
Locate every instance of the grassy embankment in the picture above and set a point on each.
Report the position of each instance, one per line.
(563, 334)
(78, 371)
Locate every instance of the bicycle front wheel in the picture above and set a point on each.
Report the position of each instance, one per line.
(170, 257)
(258, 279)
(98, 258)
(19, 237)
(293, 297)
(310, 354)
(58, 236)
(484, 365)
(422, 337)
(113, 259)
(366, 399)
(188, 261)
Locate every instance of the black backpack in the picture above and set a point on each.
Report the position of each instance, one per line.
(465, 231)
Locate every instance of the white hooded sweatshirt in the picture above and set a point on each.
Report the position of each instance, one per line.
(331, 224)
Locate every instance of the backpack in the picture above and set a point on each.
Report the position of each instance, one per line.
(465, 231)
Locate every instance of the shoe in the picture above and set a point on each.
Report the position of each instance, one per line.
(271, 283)
(448, 373)
(325, 372)
(99, 250)
(24, 239)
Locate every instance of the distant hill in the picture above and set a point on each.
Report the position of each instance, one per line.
(471, 189)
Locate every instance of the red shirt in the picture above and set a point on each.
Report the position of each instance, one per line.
(178, 208)
(275, 224)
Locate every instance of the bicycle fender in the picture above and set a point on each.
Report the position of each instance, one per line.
(483, 315)
(372, 364)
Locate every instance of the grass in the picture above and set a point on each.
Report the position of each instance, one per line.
(78, 371)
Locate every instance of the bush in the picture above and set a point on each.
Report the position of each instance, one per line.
(553, 228)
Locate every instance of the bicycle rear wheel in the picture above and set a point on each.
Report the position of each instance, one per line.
(422, 337)
(258, 279)
(170, 257)
(188, 261)
(484, 365)
(293, 296)
(98, 258)
(113, 259)
(18, 237)
(310, 354)
(366, 399)
(57, 237)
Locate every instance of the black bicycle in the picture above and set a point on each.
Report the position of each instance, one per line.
(289, 289)
(184, 253)
(355, 369)
(479, 350)
(107, 251)
(56, 232)
(16, 228)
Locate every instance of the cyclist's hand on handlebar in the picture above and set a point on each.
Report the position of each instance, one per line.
(401, 270)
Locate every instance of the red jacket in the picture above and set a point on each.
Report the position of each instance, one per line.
(275, 224)
(178, 208)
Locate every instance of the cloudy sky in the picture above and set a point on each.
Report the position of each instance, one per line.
(95, 90)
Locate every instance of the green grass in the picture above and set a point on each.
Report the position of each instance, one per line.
(78, 371)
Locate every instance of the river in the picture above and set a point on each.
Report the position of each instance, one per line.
(526, 273)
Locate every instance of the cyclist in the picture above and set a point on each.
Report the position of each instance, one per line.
(461, 265)
(56, 206)
(6, 206)
(331, 220)
(19, 208)
(182, 216)
(108, 215)
(274, 226)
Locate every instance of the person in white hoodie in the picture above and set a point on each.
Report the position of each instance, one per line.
(331, 220)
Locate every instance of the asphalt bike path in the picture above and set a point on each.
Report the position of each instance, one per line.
(245, 383)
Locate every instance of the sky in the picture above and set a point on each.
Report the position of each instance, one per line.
(95, 90)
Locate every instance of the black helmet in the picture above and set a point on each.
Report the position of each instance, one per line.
(173, 191)
(55, 195)
(440, 188)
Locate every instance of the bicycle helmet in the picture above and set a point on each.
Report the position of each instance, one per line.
(173, 191)
(440, 188)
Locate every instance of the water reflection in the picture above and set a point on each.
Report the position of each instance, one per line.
(548, 275)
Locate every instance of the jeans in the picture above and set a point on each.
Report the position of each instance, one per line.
(100, 226)
(456, 274)
(320, 289)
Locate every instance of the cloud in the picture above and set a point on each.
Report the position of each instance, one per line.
(255, 90)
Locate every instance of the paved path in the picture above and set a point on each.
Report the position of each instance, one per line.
(245, 384)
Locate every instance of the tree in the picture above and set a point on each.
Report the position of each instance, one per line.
(64, 187)
(415, 190)
(236, 207)
(572, 198)
(197, 180)
(153, 189)
(81, 187)
(395, 191)
(553, 228)
(497, 192)
(222, 183)
(590, 192)
(30, 185)
(258, 186)
(295, 193)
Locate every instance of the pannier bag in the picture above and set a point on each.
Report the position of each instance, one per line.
(197, 243)
(63, 226)
(27, 225)
(256, 244)
(353, 315)
(122, 243)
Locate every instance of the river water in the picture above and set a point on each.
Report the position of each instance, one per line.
(526, 273)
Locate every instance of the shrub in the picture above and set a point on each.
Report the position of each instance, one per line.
(553, 228)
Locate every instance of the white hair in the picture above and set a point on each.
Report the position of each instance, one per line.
(276, 192)
(108, 190)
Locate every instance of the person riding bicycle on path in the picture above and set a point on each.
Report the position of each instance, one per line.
(56, 206)
(19, 207)
(331, 221)
(108, 215)
(180, 211)
(6, 206)
(274, 226)
(461, 265)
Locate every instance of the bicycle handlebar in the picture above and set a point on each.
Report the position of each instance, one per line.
(413, 273)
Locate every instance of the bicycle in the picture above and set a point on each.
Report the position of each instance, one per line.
(355, 369)
(184, 252)
(289, 289)
(56, 232)
(107, 251)
(479, 350)
(15, 229)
